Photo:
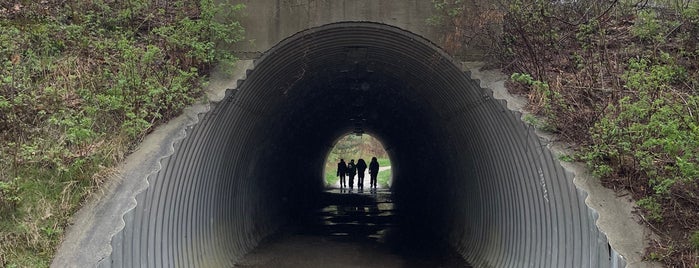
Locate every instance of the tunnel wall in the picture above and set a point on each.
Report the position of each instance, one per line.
(209, 203)
(484, 179)
(538, 217)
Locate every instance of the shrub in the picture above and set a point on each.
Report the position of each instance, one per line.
(653, 208)
(694, 240)
(9, 196)
(542, 99)
(648, 27)
(653, 132)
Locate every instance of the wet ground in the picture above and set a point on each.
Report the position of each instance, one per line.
(352, 229)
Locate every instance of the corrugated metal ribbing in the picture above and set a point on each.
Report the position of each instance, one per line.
(238, 173)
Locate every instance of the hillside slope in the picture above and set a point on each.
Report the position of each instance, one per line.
(81, 82)
(621, 82)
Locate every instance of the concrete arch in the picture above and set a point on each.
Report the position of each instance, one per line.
(234, 172)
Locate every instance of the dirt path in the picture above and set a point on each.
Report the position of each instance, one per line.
(353, 229)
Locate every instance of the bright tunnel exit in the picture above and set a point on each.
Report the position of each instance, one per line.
(355, 147)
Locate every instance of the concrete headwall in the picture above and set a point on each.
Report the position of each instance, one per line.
(269, 21)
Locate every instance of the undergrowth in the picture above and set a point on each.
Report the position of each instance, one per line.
(80, 83)
(619, 79)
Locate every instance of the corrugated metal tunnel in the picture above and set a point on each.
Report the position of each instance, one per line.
(466, 168)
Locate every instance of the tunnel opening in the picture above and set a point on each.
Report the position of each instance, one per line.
(354, 146)
(468, 172)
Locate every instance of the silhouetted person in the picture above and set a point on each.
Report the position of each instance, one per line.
(351, 171)
(342, 171)
(373, 171)
(361, 167)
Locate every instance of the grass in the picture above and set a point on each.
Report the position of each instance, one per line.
(384, 178)
(384, 162)
(330, 177)
(32, 231)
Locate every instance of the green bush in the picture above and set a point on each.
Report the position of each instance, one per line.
(542, 98)
(200, 38)
(9, 196)
(653, 208)
(648, 27)
(654, 131)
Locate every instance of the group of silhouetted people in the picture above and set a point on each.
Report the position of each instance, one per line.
(351, 169)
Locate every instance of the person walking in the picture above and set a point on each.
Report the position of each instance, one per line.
(361, 167)
(373, 171)
(342, 172)
(351, 171)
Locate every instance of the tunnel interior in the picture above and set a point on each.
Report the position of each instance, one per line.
(465, 167)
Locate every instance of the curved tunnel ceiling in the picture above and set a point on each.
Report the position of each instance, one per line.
(466, 167)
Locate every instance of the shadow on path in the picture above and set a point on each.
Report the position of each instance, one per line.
(352, 229)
